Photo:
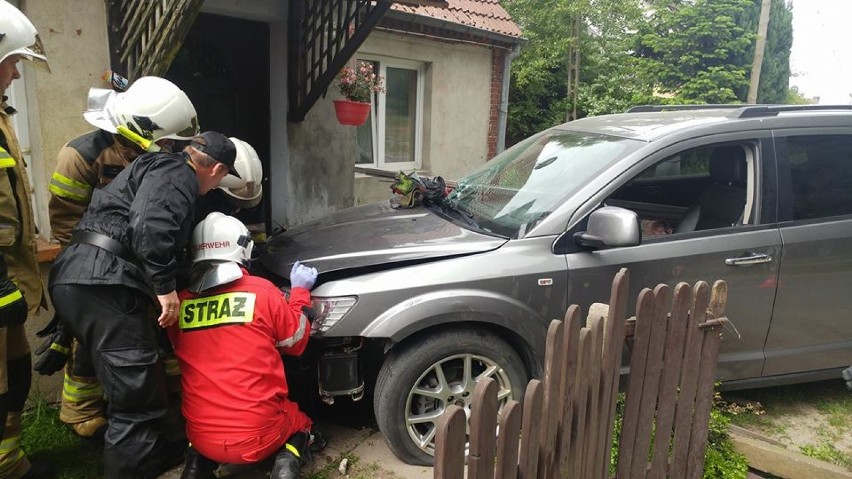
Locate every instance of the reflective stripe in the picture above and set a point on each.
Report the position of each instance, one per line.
(10, 444)
(293, 449)
(297, 336)
(221, 309)
(6, 160)
(62, 186)
(11, 454)
(79, 391)
(62, 349)
(10, 298)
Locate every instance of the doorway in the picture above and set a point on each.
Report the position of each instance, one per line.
(223, 66)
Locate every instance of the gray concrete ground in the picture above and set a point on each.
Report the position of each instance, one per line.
(364, 447)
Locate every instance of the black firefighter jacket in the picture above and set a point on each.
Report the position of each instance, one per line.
(149, 208)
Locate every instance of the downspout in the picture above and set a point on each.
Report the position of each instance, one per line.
(503, 111)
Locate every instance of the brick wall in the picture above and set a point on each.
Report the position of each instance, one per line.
(498, 59)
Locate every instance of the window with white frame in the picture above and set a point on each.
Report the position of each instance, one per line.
(391, 137)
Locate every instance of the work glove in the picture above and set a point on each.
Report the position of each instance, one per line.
(13, 306)
(302, 276)
(53, 353)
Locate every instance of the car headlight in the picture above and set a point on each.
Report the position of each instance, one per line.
(328, 311)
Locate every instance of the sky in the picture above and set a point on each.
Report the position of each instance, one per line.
(821, 58)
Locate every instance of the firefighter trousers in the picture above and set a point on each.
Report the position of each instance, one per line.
(114, 323)
(15, 380)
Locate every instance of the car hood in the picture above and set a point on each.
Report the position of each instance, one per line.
(371, 235)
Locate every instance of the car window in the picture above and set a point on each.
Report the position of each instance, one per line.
(515, 190)
(698, 189)
(820, 175)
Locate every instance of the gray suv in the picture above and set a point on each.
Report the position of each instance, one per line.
(414, 305)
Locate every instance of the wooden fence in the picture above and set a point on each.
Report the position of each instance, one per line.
(566, 427)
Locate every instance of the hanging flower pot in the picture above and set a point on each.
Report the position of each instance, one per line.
(351, 112)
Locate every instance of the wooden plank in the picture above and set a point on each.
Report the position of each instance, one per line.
(449, 444)
(577, 439)
(684, 408)
(641, 339)
(483, 430)
(528, 464)
(707, 377)
(552, 387)
(651, 385)
(591, 437)
(571, 329)
(673, 359)
(508, 441)
(614, 337)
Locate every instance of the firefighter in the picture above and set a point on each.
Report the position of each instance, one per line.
(21, 290)
(123, 253)
(236, 400)
(84, 164)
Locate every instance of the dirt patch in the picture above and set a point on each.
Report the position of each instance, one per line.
(814, 419)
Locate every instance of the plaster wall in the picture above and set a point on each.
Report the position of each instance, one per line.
(319, 180)
(74, 34)
(457, 101)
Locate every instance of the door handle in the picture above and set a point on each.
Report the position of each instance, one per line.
(748, 259)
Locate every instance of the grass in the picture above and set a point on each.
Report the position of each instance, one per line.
(46, 438)
(777, 412)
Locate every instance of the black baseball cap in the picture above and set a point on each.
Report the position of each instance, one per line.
(219, 147)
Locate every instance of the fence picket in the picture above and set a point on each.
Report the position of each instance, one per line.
(564, 427)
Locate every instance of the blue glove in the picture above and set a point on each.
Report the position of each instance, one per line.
(302, 276)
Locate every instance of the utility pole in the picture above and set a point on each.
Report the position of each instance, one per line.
(760, 46)
(574, 67)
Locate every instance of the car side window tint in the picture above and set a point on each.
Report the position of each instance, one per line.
(820, 175)
(698, 189)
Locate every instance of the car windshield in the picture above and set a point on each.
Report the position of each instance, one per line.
(510, 194)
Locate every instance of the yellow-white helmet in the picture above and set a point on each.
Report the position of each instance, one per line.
(18, 36)
(219, 237)
(152, 107)
(245, 191)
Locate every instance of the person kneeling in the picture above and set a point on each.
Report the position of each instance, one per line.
(232, 330)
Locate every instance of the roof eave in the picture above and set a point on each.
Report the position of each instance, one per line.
(453, 27)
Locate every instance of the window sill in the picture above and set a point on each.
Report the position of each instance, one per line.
(47, 252)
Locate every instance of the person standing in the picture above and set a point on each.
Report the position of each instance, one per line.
(21, 289)
(84, 164)
(122, 262)
(236, 401)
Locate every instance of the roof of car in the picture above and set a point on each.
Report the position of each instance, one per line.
(647, 123)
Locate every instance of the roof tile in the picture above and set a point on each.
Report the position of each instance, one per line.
(483, 14)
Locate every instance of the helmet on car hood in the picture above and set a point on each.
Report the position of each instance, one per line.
(152, 107)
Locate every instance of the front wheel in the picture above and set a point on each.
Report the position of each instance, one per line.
(419, 379)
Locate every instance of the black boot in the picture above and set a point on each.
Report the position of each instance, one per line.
(291, 457)
(197, 466)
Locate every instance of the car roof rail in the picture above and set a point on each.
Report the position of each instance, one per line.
(650, 108)
(756, 111)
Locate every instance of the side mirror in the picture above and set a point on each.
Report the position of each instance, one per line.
(610, 227)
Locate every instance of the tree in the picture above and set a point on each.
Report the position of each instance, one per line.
(700, 51)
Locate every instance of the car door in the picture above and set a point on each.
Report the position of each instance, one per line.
(812, 324)
(744, 252)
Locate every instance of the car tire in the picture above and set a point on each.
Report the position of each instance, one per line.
(416, 362)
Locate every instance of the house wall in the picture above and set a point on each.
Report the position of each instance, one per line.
(75, 40)
(457, 105)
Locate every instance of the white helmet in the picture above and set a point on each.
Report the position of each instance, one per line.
(18, 36)
(152, 107)
(245, 191)
(221, 238)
